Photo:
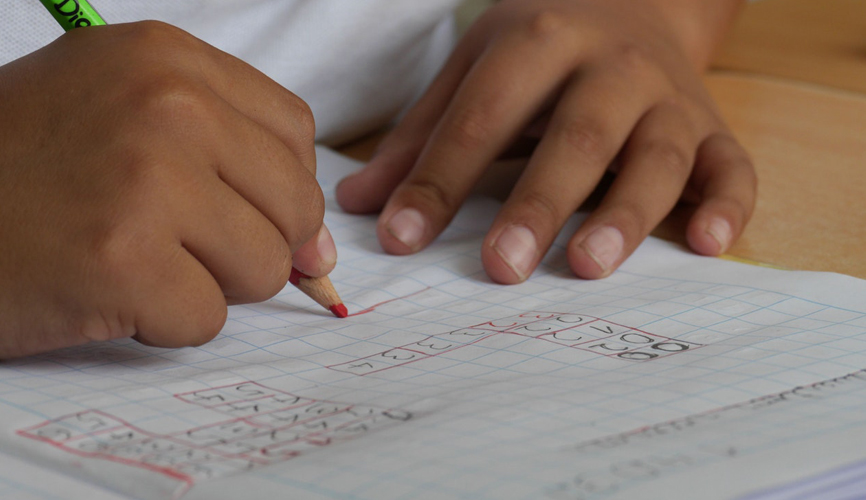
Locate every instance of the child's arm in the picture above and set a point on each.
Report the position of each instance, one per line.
(147, 180)
(597, 81)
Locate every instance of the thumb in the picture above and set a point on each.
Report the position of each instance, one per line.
(318, 256)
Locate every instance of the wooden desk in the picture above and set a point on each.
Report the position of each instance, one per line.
(809, 149)
(816, 41)
(791, 81)
(808, 141)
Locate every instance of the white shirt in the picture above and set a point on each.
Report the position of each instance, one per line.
(356, 62)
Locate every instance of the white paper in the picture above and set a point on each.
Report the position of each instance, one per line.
(677, 377)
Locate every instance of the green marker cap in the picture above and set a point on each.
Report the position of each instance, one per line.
(73, 13)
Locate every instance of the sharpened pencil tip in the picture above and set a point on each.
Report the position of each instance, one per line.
(339, 311)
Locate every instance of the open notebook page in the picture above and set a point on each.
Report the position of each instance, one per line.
(677, 377)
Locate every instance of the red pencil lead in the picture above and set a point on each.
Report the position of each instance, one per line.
(321, 290)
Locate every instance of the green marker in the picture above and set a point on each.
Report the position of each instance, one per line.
(73, 13)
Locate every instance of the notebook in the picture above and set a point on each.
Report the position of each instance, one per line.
(677, 377)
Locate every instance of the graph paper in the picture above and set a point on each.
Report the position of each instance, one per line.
(677, 377)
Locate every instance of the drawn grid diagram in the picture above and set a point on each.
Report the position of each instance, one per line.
(509, 348)
(569, 330)
(263, 426)
(506, 393)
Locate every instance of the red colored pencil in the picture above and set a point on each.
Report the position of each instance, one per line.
(321, 290)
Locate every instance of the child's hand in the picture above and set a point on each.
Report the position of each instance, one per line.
(147, 180)
(598, 81)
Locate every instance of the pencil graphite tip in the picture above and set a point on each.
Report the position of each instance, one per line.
(339, 311)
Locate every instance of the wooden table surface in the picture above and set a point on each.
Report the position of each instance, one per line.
(817, 41)
(791, 82)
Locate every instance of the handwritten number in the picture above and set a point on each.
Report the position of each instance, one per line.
(671, 347)
(607, 347)
(637, 356)
(199, 396)
(432, 345)
(468, 333)
(249, 389)
(526, 327)
(396, 357)
(636, 338)
(561, 320)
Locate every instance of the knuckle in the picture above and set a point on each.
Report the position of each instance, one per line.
(315, 213)
(746, 168)
(734, 157)
(302, 115)
(431, 193)
(541, 205)
(632, 58)
(585, 137)
(172, 100)
(631, 218)
(471, 128)
(548, 23)
(112, 251)
(153, 38)
(668, 156)
(308, 216)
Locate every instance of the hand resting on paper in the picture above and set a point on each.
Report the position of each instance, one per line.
(603, 84)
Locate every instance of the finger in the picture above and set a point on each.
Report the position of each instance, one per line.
(187, 61)
(367, 190)
(588, 128)
(256, 164)
(245, 88)
(180, 304)
(725, 178)
(266, 102)
(317, 257)
(498, 98)
(245, 253)
(656, 164)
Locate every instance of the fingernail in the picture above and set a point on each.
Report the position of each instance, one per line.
(326, 247)
(720, 230)
(407, 225)
(517, 247)
(604, 246)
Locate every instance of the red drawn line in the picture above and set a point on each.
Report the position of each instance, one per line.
(380, 304)
(321, 437)
(114, 458)
(75, 430)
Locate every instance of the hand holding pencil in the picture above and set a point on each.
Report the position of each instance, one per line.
(162, 192)
(320, 255)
